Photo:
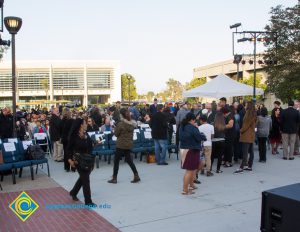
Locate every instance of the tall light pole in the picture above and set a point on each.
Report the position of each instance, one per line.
(129, 83)
(13, 25)
(255, 36)
(1, 11)
(237, 58)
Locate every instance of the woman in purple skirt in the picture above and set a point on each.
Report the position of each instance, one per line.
(190, 145)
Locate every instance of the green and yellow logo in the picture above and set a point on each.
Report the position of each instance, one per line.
(23, 206)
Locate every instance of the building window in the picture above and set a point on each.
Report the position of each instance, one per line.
(99, 79)
(5, 81)
(68, 78)
(32, 79)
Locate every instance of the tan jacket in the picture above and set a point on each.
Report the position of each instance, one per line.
(247, 132)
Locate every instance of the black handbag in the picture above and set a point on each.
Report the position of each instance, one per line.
(34, 152)
(85, 161)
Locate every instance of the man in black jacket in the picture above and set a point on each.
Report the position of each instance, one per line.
(159, 126)
(153, 107)
(55, 127)
(290, 120)
(6, 124)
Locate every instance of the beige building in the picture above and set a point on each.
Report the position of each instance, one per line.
(86, 82)
(230, 69)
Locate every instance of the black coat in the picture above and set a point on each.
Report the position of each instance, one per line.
(6, 126)
(90, 128)
(55, 128)
(159, 126)
(97, 118)
(66, 127)
(211, 117)
(153, 109)
(290, 120)
(275, 130)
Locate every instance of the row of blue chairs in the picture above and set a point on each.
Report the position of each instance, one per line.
(13, 152)
(143, 144)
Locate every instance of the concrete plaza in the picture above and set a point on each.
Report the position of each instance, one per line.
(223, 202)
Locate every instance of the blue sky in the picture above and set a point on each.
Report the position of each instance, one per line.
(154, 39)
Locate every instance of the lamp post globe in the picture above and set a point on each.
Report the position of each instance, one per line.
(13, 25)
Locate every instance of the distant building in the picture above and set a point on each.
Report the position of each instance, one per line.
(86, 82)
(228, 68)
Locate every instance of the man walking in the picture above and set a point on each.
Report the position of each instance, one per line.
(159, 126)
(55, 127)
(290, 120)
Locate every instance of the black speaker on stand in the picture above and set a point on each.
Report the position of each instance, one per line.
(280, 210)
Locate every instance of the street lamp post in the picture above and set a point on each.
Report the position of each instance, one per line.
(254, 36)
(13, 25)
(1, 12)
(129, 83)
(237, 58)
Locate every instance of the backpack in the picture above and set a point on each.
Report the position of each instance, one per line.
(34, 152)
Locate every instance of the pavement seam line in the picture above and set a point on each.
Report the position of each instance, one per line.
(193, 212)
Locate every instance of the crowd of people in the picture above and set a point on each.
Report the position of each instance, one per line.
(203, 133)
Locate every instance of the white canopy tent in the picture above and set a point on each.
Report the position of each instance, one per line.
(222, 86)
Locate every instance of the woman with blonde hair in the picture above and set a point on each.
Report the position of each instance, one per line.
(247, 137)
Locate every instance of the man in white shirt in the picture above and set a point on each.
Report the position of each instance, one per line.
(209, 131)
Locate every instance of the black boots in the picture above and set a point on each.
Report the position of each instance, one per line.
(136, 178)
(113, 180)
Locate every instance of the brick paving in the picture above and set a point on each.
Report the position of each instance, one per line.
(43, 219)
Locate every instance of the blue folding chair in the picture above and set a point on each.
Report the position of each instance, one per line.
(12, 155)
(7, 167)
(23, 145)
(147, 143)
(100, 149)
(137, 143)
(112, 142)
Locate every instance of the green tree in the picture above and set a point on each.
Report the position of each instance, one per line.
(3, 49)
(127, 79)
(284, 77)
(163, 96)
(174, 89)
(195, 82)
(259, 84)
(150, 95)
(45, 85)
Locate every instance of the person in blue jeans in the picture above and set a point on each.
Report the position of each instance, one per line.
(159, 126)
